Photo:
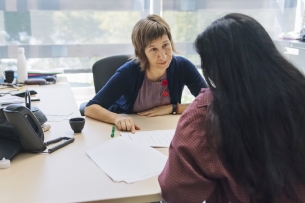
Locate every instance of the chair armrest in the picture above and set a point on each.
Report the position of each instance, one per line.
(82, 108)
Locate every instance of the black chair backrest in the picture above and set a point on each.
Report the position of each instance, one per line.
(104, 68)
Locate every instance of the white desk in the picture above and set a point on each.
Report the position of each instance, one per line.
(68, 175)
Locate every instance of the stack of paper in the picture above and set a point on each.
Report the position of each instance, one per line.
(290, 35)
(124, 160)
(155, 138)
(42, 73)
(9, 99)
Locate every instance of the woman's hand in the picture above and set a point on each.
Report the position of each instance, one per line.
(157, 111)
(126, 124)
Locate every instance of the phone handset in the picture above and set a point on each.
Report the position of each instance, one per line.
(26, 126)
(30, 132)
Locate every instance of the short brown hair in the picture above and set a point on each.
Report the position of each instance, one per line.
(144, 32)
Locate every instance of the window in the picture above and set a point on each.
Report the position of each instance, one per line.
(188, 18)
(66, 34)
(73, 34)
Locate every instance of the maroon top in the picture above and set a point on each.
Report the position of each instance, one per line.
(152, 94)
(193, 172)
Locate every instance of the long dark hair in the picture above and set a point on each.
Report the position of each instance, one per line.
(258, 105)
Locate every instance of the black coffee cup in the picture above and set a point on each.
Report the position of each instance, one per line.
(9, 76)
(77, 124)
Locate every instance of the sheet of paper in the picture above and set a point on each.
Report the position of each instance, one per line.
(155, 138)
(124, 160)
(57, 116)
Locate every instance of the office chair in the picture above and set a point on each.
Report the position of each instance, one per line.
(102, 71)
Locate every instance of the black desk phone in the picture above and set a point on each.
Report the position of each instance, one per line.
(23, 131)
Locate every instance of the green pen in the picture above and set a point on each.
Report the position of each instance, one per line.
(112, 131)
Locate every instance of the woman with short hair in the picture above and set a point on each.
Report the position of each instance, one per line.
(151, 84)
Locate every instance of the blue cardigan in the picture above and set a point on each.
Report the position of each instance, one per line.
(120, 92)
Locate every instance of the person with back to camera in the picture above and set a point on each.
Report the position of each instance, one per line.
(243, 139)
(149, 85)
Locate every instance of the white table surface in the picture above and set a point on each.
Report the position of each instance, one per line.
(68, 175)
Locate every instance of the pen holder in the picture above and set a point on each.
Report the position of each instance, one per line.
(9, 76)
(77, 124)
